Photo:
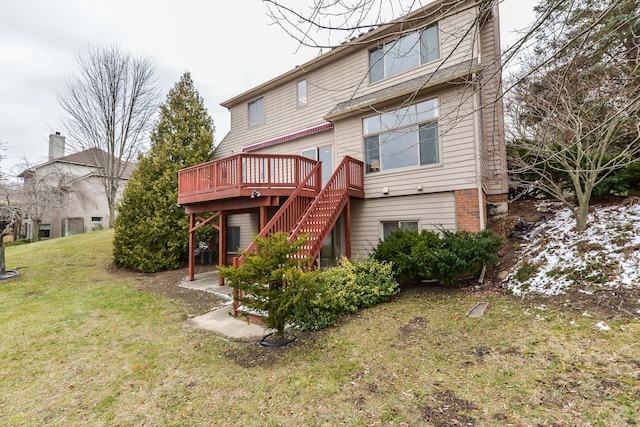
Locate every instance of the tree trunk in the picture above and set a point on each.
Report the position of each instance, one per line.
(111, 201)
(582, 214)
(3, 264)
(112, 210)
(35, 231)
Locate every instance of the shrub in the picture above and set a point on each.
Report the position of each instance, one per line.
(344, 289)
(445, 256)
(17, 242)
(526, 271)
(396, 248)
(620, 182)
(271, 279)
(275, 283)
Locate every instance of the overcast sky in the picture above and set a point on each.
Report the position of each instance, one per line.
(227, 46)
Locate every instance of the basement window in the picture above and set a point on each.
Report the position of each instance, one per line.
(389, 227)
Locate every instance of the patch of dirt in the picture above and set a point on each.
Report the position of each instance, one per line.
(449, 410)
(166, 283)
(416, 324)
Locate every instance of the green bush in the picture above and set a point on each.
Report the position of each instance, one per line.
(445, 256)
(396, 248)
(620, 182)
(271, 279)
(344, 289)
(274, 282)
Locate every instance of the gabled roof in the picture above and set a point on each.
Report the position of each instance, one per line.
(431, 12)
(82, 158)
(421, 84)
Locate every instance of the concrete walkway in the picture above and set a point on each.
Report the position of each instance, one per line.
(221, 320)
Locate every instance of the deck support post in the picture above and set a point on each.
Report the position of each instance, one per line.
(347, 228)
(222, 244)
(263, 217)
(192, 246)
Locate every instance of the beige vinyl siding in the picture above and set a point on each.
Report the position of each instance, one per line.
(457, 169)
(432, 211)
(495, 164)
(282, 116)
(248, 224)
(343, 79)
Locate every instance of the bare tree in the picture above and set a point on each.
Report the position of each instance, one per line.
(9, 217)
(41, 196)
(109, 107)
(575, 116)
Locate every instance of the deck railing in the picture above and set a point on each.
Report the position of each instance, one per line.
(289, 213)
(245, 171)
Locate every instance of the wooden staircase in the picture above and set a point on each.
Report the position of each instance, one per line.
(300, 215)
(321, 216)
(315, 218)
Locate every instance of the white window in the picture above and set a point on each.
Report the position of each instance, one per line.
(256, 112)
(402, 138)
(407, 52)
(302, 93)
(389, 227)
(324, 155)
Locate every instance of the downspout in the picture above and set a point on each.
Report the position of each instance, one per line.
(477, 119)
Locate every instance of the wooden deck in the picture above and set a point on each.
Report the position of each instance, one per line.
(252, 179)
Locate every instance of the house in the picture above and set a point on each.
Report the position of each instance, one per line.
(401, 127)
(65, 195)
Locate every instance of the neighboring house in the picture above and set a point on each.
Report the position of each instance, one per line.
(65, 195)
(409, 119)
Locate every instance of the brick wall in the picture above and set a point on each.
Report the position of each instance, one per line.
(468, 210)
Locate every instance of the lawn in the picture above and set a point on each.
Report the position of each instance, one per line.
(83, 344)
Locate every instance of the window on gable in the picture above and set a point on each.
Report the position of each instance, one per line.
(302, 93)
(256, 112)
(405, 137)
(407, 52)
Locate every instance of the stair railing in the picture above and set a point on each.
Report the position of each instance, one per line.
(344, 179)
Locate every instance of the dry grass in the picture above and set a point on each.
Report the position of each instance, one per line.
(82, 345)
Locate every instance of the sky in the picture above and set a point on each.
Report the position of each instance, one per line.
(228, 47)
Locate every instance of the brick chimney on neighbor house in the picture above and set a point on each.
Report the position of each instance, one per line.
(56, 146)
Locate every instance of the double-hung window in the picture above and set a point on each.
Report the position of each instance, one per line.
(405, 137)
(407, 52)
(255, 112)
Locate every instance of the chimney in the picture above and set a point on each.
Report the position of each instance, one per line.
(56, 146)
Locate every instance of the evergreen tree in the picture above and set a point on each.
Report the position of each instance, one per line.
(151, 230)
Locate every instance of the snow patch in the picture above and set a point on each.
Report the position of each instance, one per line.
(605, 255)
